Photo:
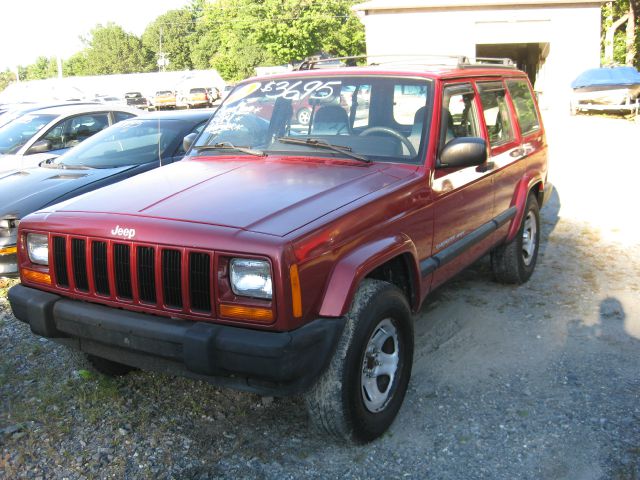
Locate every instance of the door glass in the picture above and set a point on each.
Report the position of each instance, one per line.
(459, 117)
(496, 113)
(72, 131)
(525, 108)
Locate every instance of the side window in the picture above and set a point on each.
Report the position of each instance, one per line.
(56, 135)
(119, 116)
(525, 107)
(496, 113)
(74, 130)
(459, 116)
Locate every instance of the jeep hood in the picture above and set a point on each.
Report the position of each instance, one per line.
(269, 195)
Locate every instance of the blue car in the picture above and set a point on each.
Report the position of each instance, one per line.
(126, 149)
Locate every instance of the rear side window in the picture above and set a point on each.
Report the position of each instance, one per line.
(496, 113)
(525, 107)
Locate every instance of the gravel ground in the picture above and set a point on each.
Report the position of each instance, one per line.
(538, 382)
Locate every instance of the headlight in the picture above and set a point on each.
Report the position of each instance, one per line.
(38, 248)
(8, 223)
(251, 278)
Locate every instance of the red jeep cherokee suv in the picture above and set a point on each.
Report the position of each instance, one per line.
(284, 258)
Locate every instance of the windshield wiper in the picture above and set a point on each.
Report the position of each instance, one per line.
(315, 143)
(230, 146)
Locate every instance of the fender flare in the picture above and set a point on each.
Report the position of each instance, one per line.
(526, 184)
(353, 267)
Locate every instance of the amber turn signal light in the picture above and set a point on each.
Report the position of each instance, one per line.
(36, 277)
(296, 296)
(240, 312)
(8, 250)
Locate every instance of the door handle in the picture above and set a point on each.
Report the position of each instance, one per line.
(488, 166)
(518, 152)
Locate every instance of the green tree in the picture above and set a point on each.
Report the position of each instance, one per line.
(76, 65)
(621, 45)
(43, 67)
(6, 78)
(112, 50)
(235, 36)
(292, 30)
(173, 30)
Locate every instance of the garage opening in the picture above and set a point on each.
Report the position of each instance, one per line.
(528, 56)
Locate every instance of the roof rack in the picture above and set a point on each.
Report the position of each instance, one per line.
(460, 61)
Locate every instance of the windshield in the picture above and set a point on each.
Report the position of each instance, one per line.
(377, 118)
(130, 142)
(15, 134)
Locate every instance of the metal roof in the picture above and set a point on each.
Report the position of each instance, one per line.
(376, 5)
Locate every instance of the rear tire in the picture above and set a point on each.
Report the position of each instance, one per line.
(514, 262)
(359, 395)
(109, 367)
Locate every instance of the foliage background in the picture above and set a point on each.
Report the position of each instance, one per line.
(232, 36)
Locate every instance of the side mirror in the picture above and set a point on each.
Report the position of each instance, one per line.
(41, 146)
(188, 141)
(463, 152)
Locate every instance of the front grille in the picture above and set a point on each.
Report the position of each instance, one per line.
(60, 259)
(200, 281)
(147, 275)
(171, 284)
(79, 256)
(122, 264)
(100, 268)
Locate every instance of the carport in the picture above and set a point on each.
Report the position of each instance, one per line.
(552, 40)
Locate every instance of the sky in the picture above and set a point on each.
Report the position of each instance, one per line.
(30, 28)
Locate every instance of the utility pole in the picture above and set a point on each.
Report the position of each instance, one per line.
(162, 61)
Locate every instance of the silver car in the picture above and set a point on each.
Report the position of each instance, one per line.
(47, 133)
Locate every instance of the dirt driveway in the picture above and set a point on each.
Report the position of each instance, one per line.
(540, 381)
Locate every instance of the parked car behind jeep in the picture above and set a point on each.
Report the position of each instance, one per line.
(129, 148)
(287, 259)
(136, 99)
(163, 100)
(48, 132)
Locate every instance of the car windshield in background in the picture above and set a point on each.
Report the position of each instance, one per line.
(377, 118)
(131, 142)
(15, 134)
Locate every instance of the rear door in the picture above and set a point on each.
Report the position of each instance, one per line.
(507, 154)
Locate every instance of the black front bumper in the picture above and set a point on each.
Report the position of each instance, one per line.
(272, 363)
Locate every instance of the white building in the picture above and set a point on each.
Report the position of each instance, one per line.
(552, 40)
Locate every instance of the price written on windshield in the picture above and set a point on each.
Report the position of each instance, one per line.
(300, 90)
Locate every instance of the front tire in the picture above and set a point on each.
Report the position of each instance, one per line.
(359, 395)
(515, 261)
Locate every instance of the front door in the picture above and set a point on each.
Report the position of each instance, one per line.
(463, 197)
